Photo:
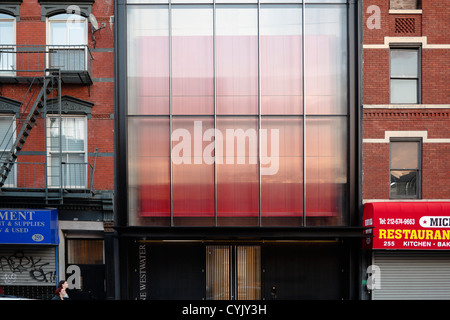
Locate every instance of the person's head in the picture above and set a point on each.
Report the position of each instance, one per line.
(63, 284)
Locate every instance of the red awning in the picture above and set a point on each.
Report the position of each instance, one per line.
(408, 225)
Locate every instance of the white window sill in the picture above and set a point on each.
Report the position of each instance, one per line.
(404, 11)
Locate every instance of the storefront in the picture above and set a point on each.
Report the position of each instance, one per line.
(237, 132)
(410, 249)
(28, 251)
(238, 270)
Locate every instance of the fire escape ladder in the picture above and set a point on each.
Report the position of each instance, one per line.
(55, 176)
(27, 125)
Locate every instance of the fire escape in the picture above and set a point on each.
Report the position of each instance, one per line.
(42, 70)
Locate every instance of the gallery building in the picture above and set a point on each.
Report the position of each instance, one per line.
(238, 149)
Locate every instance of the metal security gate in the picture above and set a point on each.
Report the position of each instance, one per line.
(28, 266)
(412, 275)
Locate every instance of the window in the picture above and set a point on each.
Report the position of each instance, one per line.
(7, 43)
(67, 38)
(67, 156)
(7, 129)
(404, 166)
(85, 251)
(405, 4)
(405, 80)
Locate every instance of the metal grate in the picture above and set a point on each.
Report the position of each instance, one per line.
(30, 292)
(405, 25)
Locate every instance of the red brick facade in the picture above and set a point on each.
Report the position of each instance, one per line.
(31, 30)
(429, 120)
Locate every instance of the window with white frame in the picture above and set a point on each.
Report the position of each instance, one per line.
(405, 75)
(7, 136)
(67, 40)
(7, 43)
(66, 150)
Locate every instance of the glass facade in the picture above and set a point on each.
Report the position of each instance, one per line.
(237, 114)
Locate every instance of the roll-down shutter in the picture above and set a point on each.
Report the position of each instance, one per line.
(412, 275)
(27, 265)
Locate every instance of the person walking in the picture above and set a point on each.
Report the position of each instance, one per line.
(59, 294)
(61, 290)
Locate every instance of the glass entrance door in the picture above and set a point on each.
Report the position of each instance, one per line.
(233, 272)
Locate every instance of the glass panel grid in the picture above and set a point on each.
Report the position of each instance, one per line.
(245, 72)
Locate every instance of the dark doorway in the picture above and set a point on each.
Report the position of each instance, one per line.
(304, 270)
(92, 283)
(168, 271)
(87, 280)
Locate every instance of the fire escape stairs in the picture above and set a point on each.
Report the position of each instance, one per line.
(27, 126)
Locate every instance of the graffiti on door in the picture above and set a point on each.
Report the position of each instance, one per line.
(19, 267)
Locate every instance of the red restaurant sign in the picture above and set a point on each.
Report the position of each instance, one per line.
(407, 225)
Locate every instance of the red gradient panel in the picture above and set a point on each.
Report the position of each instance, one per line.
(154, 166)
(154, 79)
(237, 176)
(237, 60)
(282, 193)
(193, 182)
(281, 74)
(192, 70)
(326, 158)
(237, 75)
(192, 60)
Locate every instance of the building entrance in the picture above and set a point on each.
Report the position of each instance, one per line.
(233, 272)
(239, 271)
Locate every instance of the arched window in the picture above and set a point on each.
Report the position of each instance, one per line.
(67, 40)
(7, 43)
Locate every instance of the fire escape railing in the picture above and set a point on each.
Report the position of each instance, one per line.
(37, 175)
(43, 67)
(26, 60)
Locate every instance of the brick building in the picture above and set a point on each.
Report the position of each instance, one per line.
(406, 140)
(57, 145)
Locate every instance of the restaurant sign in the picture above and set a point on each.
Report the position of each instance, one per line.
(28, 226)
(407, 225)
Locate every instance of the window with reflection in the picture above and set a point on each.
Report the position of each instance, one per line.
(404, 64)
(67, 40)
(405, 168)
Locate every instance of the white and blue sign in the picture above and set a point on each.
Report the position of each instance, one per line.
(29, 226)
